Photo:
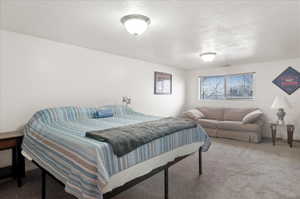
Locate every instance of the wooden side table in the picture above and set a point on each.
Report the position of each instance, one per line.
(290, 132)
(13, 140)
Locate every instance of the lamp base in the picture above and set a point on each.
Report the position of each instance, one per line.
(280, 114)
(280, 122)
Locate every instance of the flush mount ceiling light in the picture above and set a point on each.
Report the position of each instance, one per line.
(208, 57)
(135, 24)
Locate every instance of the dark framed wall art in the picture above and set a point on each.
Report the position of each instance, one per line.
(162, 83)
(288, 80)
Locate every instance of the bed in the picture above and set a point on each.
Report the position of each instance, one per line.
(55, 139)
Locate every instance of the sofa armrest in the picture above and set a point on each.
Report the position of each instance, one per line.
(260, 122)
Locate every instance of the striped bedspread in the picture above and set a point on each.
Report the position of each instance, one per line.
(55, 139)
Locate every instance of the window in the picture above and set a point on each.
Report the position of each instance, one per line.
(213, 87)
(237, 86)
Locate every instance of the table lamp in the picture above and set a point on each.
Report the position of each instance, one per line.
(280, 103)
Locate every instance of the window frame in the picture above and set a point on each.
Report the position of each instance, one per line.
(226, 76)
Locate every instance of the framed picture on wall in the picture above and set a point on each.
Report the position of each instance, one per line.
(288, 80)
(162, 83)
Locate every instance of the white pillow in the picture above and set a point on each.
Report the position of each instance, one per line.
(252, 116)
(194, 114)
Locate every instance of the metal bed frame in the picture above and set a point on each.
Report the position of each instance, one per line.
(131, 183)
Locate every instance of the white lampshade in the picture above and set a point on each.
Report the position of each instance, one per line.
(135, 24)
(280, 102)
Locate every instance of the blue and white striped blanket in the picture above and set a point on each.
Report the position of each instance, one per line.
(55, 139)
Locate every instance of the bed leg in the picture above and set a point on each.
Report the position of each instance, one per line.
(200, 161)
(43, 184)
(166, 183)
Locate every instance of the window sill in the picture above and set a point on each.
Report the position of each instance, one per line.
(229, 99)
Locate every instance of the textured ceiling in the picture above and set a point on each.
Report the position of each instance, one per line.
(239, 31)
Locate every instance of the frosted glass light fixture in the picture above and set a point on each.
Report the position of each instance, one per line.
(208, 57)
(136, 24)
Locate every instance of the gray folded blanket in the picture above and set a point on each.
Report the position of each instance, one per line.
(127, 138)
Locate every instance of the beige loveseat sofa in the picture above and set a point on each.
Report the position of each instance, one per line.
(229, 123)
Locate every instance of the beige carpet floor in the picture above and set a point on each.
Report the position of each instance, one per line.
(231, 170)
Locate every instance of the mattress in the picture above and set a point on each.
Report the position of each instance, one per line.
(145, 167)
(55, 139)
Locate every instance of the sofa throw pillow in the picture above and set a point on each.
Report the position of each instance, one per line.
(194, 114)
(252, 116)
(102, 113)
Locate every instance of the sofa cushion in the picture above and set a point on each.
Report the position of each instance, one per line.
(206, 123)
(236, 114)
(194, 114)
(237, 126)
(212, 113)
(252, 116)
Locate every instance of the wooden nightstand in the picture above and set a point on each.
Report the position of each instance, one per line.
(13, 140)
(290, 132)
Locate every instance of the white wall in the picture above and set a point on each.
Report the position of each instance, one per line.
(265, 89)
(38, 73)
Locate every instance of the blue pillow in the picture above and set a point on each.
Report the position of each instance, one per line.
(103, 113)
